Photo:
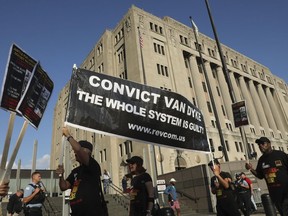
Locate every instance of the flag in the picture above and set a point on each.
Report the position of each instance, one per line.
(140, 40)
(195, 28)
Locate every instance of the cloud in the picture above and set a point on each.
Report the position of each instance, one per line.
(41, 163)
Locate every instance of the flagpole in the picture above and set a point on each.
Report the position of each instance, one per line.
(226, 74)
(152, 147)
(210, 93)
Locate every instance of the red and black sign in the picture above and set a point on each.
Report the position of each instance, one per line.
(18, 73)
(35, 99)
(240, 114)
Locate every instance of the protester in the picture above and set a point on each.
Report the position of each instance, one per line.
(106, 181)
(248, 180)
(14, 206)
(34, 196)
(172, 196)
(4, 188)
(273, 166)
(86, 197)
(142, 192)
(244, 196)
(221, 187)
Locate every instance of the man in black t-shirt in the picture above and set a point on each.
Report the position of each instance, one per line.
(86, 197)
(273, 166)
(221, 187)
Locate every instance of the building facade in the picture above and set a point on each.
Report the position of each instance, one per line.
(163, 53)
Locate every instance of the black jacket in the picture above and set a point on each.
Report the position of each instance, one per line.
(14, 204)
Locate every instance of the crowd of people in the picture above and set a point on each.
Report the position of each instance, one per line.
(233, 196)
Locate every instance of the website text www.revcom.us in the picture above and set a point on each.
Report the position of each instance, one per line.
(155, 132)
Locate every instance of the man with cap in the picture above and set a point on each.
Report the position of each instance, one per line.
(86, 197)
(273, 166)
(172, 196)
(221, 187)
(142, 192)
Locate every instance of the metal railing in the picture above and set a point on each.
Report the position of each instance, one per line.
(195, 199)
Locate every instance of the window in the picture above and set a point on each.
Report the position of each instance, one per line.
(120, 150)
(194, 101)
(223, 110)
(241, 146)
(101, 156)
(209, 107)
(162, 70)
(190, 82)
(159, 48)
(204, 86)
(237, 146)
(227, 145)
(211, 144)
(198, 47)
(218, 91)
(213, 123)
(105, 155)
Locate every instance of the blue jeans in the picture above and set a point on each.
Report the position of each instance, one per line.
(106, 183)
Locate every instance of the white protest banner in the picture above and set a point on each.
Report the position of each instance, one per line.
(102, 103)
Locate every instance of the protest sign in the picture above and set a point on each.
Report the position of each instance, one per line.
(18, 73)
(114, 106)
(240, 114)
(36, 96)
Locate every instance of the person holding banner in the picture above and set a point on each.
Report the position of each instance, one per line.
(142, 191)
(273, 167)
(4, 188)
(86, 197)
(221, 187)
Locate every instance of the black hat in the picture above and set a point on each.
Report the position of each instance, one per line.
(237, 175)
(135, 159)
(86, 144)
(215, 162)
(262, 140)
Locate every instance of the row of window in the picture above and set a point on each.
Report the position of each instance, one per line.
(125, 148)
(156, 28)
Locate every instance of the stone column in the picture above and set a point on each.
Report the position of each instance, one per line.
(259, 107)
(250, 106)
(200, 94)
(266, 108)
(214, 95)
(235, 87)
(225, 93)
(275, 112)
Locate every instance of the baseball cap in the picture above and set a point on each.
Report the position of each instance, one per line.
(86, 144)
(237, 175)
(215, 162)
(172, 180)
(262, 140)
(135, 159)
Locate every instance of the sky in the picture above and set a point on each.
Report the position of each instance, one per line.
(62, 33)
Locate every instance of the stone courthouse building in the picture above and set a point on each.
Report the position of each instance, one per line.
(161, 52)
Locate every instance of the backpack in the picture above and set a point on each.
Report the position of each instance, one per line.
(39, 197)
